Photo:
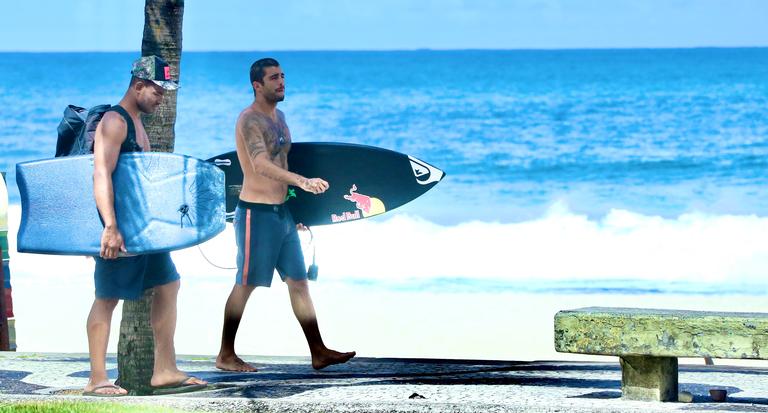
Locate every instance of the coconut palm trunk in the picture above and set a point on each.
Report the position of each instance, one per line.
(162, 37)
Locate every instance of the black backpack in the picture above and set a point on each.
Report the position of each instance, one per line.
(77, 129)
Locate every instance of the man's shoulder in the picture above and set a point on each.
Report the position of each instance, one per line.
(113, 118)
(113, 124)
(250, 118)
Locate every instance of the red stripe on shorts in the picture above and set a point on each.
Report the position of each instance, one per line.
(247, 245)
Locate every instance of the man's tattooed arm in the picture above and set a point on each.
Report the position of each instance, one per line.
(258, 152)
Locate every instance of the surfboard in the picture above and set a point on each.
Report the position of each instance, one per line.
(364, 181)
(163, 202)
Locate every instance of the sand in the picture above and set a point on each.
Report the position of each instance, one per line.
(375, 323)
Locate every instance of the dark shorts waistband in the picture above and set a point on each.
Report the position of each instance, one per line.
(260, 207)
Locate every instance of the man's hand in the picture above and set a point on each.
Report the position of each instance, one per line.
(313, 185)
(112, 243)
(301, 227)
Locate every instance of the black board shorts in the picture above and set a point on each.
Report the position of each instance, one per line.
(127, 277)
(267, 240)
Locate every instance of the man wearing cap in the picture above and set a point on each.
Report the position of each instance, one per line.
(126, 277)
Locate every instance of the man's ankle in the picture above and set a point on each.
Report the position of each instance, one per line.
(97, 380)
(226, 354)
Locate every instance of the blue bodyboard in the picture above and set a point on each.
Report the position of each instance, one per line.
(163, 202)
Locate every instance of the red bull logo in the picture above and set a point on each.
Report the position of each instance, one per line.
(362, 202)
(368, 205)
(346, 216)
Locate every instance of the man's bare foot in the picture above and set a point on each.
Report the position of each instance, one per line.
(330, 357)
(174, 379)
(103, 389)
(233, 363)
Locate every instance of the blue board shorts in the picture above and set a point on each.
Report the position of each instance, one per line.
(127, 277)
(267, 240)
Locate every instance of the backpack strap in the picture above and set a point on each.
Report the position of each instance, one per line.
(128, 120)
(130, 144)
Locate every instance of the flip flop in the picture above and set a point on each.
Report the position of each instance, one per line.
(182, 386)
(93, 392)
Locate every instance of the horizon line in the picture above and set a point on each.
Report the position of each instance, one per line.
(417, 49)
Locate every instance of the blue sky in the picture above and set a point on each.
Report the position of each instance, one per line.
(116, 25)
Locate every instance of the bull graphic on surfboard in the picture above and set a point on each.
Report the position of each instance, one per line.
(369, 206)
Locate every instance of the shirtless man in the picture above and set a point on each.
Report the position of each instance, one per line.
(267, 237)
(126, 277)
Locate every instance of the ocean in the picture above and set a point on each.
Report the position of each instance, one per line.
(570, 171)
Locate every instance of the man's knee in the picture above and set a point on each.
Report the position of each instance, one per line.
(297, 286)
(108, 304)
(242, 292)
(169, 289)
(101, 312)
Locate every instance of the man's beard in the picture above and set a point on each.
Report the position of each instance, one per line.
(146, 108)
(274, 98)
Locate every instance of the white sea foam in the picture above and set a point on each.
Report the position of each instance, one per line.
(559, 245)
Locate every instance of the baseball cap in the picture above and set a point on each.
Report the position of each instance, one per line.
(155, 69)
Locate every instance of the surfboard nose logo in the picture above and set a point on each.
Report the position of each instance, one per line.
(425, 173)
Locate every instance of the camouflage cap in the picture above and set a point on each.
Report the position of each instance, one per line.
(155, 69)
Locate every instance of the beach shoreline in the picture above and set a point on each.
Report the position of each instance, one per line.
(479, 326)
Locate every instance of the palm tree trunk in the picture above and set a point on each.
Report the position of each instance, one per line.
(136, 346)
(162, 37)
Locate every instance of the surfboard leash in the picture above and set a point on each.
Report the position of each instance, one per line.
(313, 268)
(209, 261)
(312, 271)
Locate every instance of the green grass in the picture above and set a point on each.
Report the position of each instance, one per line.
(82, 407)
(29, 356)
(201, 358)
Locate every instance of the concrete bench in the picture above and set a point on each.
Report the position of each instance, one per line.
(649, 342)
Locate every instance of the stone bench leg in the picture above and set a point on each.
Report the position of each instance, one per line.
(649, 378)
